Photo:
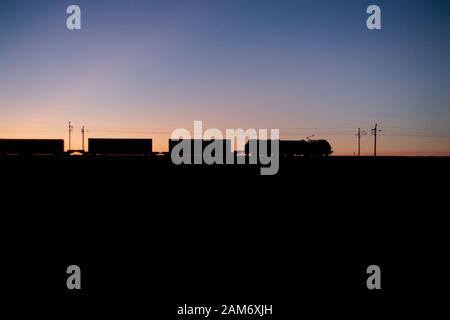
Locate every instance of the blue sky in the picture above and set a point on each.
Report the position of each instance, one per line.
(143, 68)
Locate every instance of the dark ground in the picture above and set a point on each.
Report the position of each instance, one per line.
(144, 228)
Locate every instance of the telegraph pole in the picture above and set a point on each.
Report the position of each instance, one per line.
(82, 138)
(70, 135)
(359, 134)
(83, 131)
(374, 133)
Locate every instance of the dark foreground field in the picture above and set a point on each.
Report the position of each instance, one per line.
(140, 227)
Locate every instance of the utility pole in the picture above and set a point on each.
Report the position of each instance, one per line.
(70, 135)
(83, 131)
(82, 138)
(359, 134)
(374, 133)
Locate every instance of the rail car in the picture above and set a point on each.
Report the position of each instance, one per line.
(29, 147)
(291, 148)
(195, 148)
(99, 146)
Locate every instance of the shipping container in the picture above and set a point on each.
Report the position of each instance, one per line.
(120, 146)
(195, 149)
(27, 147)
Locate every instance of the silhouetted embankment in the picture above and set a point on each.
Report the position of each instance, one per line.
(145, 227)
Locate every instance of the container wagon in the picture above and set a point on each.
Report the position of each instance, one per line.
(142, 147)
(197, 153)
(30, 147)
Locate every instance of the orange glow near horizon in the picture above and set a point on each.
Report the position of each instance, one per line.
(341, 145)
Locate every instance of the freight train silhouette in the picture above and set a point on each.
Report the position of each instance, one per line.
(143, 147)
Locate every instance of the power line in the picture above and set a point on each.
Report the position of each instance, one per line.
(418, 129)
(417, 135)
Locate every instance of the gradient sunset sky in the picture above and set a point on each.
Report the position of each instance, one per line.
(143, 68)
